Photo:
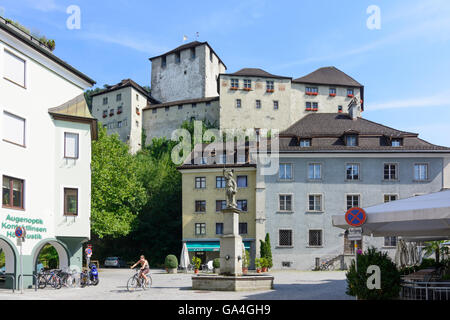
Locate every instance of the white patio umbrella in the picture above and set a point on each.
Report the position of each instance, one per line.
(421, 216)
(184, 258)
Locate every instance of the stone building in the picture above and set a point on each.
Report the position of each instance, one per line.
(119, 108)
(330, 162)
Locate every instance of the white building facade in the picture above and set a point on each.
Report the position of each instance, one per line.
(46, 153)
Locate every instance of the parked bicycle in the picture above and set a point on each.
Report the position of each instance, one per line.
(137, 281)
(49, 277)
(327, 266)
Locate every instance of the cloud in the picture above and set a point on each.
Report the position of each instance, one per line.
(441, 99)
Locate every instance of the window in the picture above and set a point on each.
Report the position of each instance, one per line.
(167, 109)
(192, 53)
(352, 171)
(258, 104)
(390, 197)
(315, 238)
(396, 142)
(314, 171)
(70, 202)
(222, 159)
(311, 106)
(210, 56)
(332, 91)
(200, 182)
(137, 123)
(285, 172)
(421, 172)
(200, 229)
(285, 201)
(285, 238)
(194, 105)
(138, 112)
(238, 103)
(163, 62)
(13, 129)
(119, 97)
(180, 107)
(340, 109)
(14, 69)
(351, 141)
(315, 202)
(219, 228)
(105, 113)
(200, 206)
(177, 57)
(390, 241)
(220, 182)
(247, 84)
(119, 124)
(220, 205)
(12, 195)
(154, 110)
(304, 143)
(105, 100)
(350, 93)
(312, 90)
(352, 201)
(71, 145)
(111, 112)
(119, 110)
(242, 182)
(286, 264)
(137, 97)
(243, 228)
(242, 205)
(270, 86)
(234, 83)
(208, 104)
(275, 105)
(390, 171)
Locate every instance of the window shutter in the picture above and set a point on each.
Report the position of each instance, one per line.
(14, 68)
(13, 129)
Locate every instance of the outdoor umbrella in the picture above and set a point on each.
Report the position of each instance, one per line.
(184, 258)
(404, 257)
(412, 254)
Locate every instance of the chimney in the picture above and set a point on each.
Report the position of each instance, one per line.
(354, 109)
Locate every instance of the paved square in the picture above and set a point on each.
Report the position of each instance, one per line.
(289, 285)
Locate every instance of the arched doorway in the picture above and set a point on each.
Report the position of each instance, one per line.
(51, 249)
(8, 262)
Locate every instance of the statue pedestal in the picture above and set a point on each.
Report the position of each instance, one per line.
(231, 244)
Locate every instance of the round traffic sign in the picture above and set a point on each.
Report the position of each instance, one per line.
(355, 217)
(20, 232)
(88, 251)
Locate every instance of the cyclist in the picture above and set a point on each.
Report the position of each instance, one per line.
(145, 268)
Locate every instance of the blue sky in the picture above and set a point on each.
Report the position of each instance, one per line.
(404, 66)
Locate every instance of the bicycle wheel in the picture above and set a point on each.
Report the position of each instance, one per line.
(55, 282)
(150, 281)
(70, 281)
(132, 284)
(83, 280)
(42, 282)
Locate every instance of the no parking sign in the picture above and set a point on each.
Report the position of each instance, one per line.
(355, 217)
(88, 252)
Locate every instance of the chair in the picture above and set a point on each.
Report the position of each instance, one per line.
(209, 266)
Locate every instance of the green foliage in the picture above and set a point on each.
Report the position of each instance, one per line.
(438, 248)
(268, 251)
(262, 249)
(196, 261)
(2, 259)
(117, 193)
(258, 263)
(245, 258)
(49, 257)
(50, 43)
(216, 263)
(88, 96)
(264, 262)
(171, 262)
(390, 276)
(190, 126)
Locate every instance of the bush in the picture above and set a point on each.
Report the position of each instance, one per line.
(390, 277)
(196, 261)
(216, 263)
(258, 263)
(171, 262)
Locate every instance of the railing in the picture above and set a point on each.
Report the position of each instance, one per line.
(7, 275)
(29, 275)
(417, 290)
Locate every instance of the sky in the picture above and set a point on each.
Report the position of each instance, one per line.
(403, 63)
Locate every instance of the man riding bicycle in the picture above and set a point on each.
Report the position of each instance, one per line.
(145, 268)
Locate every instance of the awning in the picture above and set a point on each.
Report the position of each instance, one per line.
(206, 246)
(422, 216)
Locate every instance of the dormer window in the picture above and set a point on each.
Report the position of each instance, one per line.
(351, 141)
(305, 143)
(396, 142)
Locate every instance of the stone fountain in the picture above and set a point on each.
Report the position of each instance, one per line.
(231, 248)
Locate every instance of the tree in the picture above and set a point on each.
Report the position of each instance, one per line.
(436, 247)
(88, 96)
(268, 251)
(117, 194)
(389, 277)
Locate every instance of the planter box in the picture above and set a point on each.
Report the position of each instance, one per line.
(270, 90)
(350, 95)
(172, 270)
(234, 88)
(332, 94)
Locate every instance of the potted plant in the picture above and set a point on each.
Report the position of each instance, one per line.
(171, 263)
(216, 265)
(196, 261)
(245, 261)
(258, 265)
(264, 264)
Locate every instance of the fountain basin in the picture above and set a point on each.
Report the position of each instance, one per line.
(232, 283)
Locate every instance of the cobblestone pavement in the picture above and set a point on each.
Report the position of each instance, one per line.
(288, 285)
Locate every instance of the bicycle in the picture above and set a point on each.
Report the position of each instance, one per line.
(327, 266)
(49, 277)
(136, 281)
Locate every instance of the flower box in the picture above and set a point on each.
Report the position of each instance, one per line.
(350, 95)
(234, 88)
(119, 112)
(308, 109)
(270, 90)
(111, 114)
(247, 89)
(312, 93)
(315, 109)
(332, 94)
(104, 116)
(340, 111)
